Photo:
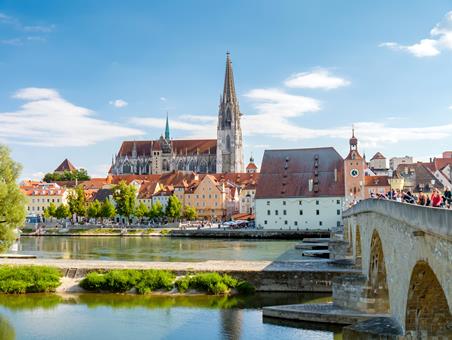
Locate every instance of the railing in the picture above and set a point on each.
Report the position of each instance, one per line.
(432, 220)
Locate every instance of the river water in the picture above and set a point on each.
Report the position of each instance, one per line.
(120, 316)
(157, 248)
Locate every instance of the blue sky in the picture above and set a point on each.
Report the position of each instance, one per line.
(78, 77)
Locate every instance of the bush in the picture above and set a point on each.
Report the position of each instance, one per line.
(210, 282)
(183, 284)
(121, 280)
(244, 287)
(155, 279)
(93, 281)
(28, 279)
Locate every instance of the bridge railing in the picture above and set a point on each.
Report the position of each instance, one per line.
(428, 219)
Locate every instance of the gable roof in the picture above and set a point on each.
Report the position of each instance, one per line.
(376, 181)
(66, 165)
(287, 173)
(378, 155)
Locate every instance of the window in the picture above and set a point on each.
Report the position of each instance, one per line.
(338, 201)
(317, 202)
(268, 212)
(283, 202)
(265, 222)
(301, 212)
(284, 212)
(276, 212)
(317, 212)
(268, 202)
(338, 223)
(285, 222)
(300, 202)
(338, 212)
(296, 223)
(320, 223)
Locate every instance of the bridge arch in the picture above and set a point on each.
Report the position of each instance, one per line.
(358, 249)
(378, 283)
(427, 308)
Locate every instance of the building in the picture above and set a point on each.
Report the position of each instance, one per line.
(418, 176)
(224, 154)
(378, 165)
(247, 199)
(374, 185)
(394, 162)
(300, 189)
(251, 168)
(40, 195)
(66, 165)
(447, 154)
(354, 167)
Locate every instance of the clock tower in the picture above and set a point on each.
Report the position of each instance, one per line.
(354, 166)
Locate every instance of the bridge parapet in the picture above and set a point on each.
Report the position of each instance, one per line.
(432, 220)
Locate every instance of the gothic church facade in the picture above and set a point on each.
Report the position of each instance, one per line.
(221, 155)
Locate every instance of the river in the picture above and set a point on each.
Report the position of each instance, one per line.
(156, 248)
(120, 316)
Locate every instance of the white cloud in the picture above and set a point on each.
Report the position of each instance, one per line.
(450, 107)
(277, 102)
(39, 29)
(317, 79)
(12, 42)
(47, 119)
(37, 176)
(118, 103)
(440, 39)
(163, 99)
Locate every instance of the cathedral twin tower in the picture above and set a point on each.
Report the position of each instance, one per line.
(221, 155)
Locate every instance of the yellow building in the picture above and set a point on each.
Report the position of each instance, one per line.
(41, 194)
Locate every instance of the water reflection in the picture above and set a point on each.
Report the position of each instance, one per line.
(117, 316)
(157, 248)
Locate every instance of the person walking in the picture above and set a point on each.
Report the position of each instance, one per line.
(436, 199)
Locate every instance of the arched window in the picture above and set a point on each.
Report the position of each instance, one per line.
(228, 143)
(165, 165)
(126, 168)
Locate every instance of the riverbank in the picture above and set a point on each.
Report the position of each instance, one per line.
(273, 276)
(220, 233)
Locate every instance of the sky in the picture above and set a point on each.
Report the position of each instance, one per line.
(79, 77)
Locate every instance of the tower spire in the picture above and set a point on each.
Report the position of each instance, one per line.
(229, 87)
(167, 134)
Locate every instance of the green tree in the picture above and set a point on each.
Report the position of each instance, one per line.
(107, 210)
(125, 198)
(50, 210)
(94, 209)
(79, 174)
(174, 208)
(156, 211)
(190, 213)
(141, 211)
(77, 202)
(62, 211)
(12, 201)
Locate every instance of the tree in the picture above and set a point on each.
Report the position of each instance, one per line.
(174, 208)
(190, 213)
(77, 202)
(94, 209)
(50, 210)
(141, 211)
(156, 210)
(78, 174)
(12, 201)
(62, 211)
(125, 198)
(107, 210)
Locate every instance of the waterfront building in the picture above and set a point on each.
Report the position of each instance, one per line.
(147, 191)
(375, 185)
(300, 189)
(354, 168)
(224, 154)
(378, 164)
(40, 195)
(247, 198)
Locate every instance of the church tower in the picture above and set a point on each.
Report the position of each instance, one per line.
(354, 166)
(229, 131)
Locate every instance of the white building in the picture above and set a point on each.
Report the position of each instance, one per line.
(394, 162)
(300, 189)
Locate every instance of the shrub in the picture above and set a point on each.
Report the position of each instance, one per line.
(183, 284)
(210, 282)
(28, 279)
(155, 279)
(121, 280)
(93, 281)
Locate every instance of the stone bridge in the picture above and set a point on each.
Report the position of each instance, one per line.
(405, 253)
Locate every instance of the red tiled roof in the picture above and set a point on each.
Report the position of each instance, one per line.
(251, 166)
(147, 189)
(66, 165)
(115, 179)
(378, 155)
(286, 173)
(376, 181)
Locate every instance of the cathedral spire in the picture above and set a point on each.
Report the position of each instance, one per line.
(167, 134)
(229, 88)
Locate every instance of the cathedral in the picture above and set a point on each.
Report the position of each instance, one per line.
(221, 155)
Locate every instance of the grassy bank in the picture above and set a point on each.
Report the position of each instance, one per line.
(28, 279)
(147, 281)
